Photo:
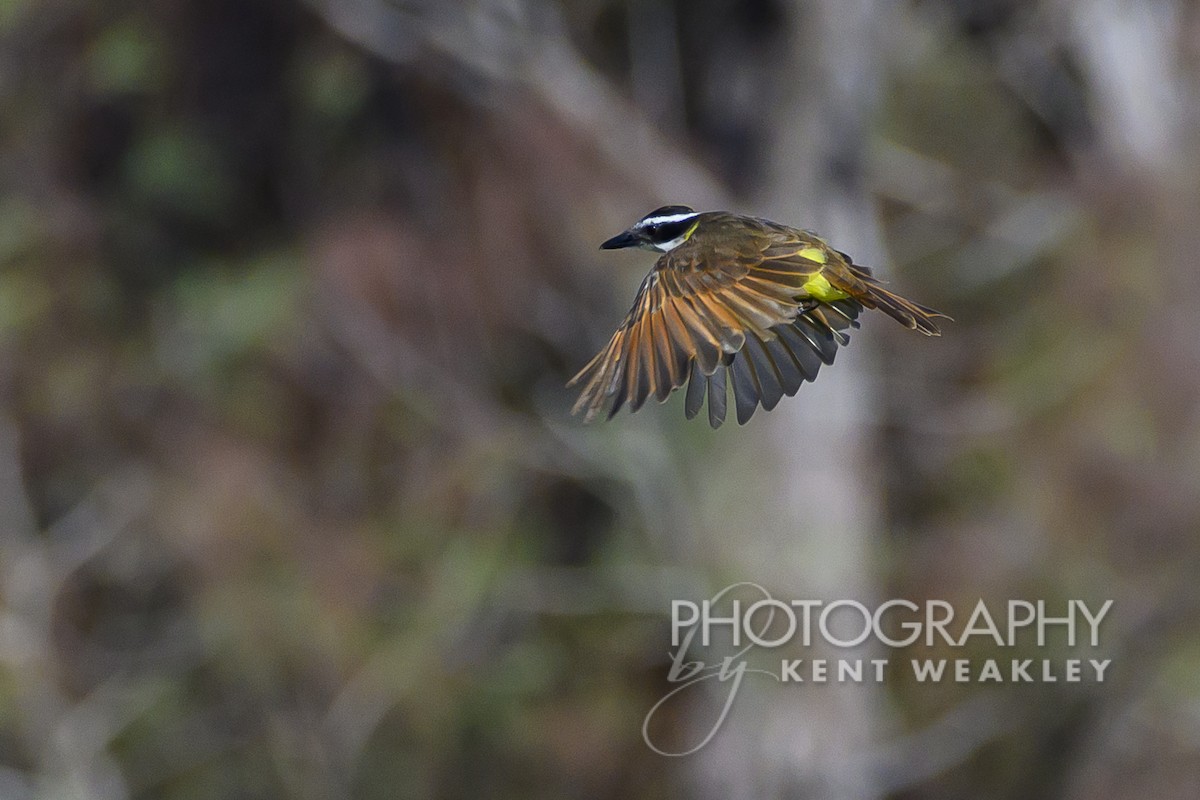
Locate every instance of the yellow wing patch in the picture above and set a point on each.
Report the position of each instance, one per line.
(813, 254)
(819, 287)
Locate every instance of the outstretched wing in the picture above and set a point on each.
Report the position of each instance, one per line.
(748, 312)
(766, 370)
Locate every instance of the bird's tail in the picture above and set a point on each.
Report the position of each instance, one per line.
(913, 316)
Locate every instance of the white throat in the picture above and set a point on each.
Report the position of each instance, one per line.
(667, 247)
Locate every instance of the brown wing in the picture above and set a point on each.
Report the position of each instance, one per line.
(767, 369)
(691, 318)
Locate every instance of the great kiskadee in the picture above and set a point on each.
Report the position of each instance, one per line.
(763, 302)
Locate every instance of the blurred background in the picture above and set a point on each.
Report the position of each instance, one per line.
(291, 503)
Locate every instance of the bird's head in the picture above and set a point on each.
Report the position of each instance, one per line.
(663, 229)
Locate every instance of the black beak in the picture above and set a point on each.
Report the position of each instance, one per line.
(624, 239)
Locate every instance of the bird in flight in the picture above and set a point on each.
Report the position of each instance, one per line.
(732, 300)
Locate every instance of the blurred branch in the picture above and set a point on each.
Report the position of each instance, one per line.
(1139, 106)
(69, 738)
(525, 43)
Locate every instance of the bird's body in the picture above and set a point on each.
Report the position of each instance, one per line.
(762, 303)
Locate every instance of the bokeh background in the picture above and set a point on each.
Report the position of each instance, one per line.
(291, 503)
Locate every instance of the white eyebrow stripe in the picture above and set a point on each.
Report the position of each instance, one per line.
(662, 220)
